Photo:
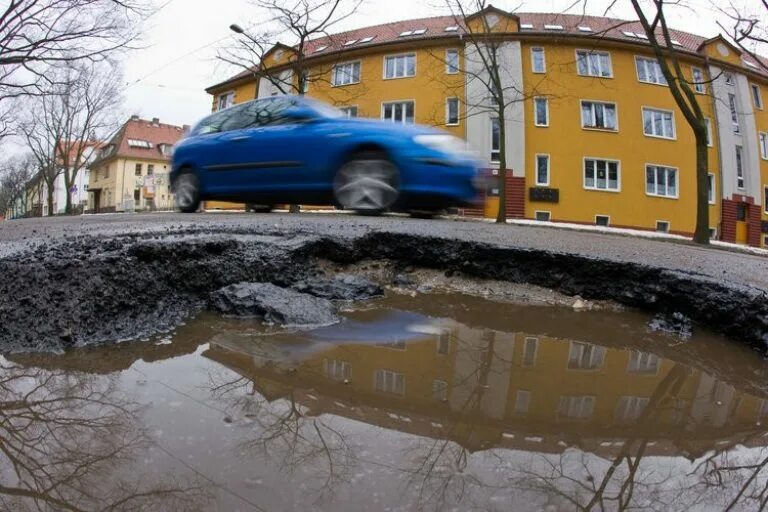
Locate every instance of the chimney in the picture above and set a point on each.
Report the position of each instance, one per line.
(134, 117)
(156, 121)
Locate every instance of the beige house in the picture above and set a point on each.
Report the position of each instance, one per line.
(131, 171)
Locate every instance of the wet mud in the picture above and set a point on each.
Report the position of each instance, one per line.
(97, 290)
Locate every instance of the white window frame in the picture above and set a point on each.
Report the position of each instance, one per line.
(654, 110)
(711, 188)
(757, 97)
(536, 169)
(762, 142)
(340, 65)
(739, 161)
(594, 116)
(656, 167)
(576, 407)
(710, 139)
(393, 375)
(522, 402)
(228, 94)
(669, 225)
(347, 109)
(535, 50)
(492, 150)
(448, 69)
(396, 102)
(536, 99)
(699, 83)
(535, 342)
(607, 161)
(646, 61)
(448, 111)
(734, 108)
(631, 408)
(595, 355)
(643, 363)
(405, 66)
(589, 74)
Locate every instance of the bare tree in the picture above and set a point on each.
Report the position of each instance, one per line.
(487, 71)
(15, 173)
(654, 23)
(749, 30)
(63, 127)
(38, 34)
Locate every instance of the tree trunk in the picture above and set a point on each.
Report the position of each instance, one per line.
(67, 187)
(50, 201)
(701, 235)
(501, 216)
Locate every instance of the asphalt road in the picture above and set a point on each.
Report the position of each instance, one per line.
(718, 264)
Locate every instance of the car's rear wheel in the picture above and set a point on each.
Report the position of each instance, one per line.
(368, 183)
(187, 192)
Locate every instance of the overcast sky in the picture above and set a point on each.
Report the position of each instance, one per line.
(167, 78)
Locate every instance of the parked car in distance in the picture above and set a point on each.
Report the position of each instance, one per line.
(294, 150)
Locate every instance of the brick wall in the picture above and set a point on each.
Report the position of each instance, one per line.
(515, 197)
(754, 225)
(728, 231)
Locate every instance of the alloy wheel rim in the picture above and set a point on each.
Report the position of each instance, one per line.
(185, 192)
(366, 185)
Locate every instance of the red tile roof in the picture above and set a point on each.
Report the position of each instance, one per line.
(610, 28)
(155, 133)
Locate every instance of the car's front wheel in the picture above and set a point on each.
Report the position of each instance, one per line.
(187, 192)
(368, 183)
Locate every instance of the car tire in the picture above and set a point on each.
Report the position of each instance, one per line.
(186, 190)
(258, 208)
(368, 183)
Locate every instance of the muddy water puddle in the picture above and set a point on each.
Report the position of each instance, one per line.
(432, 402)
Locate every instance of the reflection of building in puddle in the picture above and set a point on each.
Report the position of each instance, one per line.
(484, 388)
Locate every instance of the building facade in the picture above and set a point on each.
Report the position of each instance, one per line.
(593, 135)
(131, 171)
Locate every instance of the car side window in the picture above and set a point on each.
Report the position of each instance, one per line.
(238, 118)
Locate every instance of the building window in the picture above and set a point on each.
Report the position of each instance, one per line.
(662, 226)
(150, 169)
(739, 169)
(711, 188)
(522, 402)
(728, 78)
(452, 111)
(585, 356)
(756, 97)
(398, 112)
(444, 342)
(542, 170)
(226, 100)
(649, 71)
(734, 112)
(346, 73)
(708, 125)
(388, 381)
(541, 111)
(542, 216)
(764, 145)
(529, 351)
(630, 408)
(765, 202)
(699, 84)
(589, 63)
(440, 390)
(601, 174)
(336, 369)
(349, 112)
(602, 220)
(660, 181)
(400, 66)
(741, 212)
(538, 63)
(137, 195)
(598, 115)
(658, 123)
(495, 140)
(576, 407)
(643, 362)
(451, 61)
(138, 170)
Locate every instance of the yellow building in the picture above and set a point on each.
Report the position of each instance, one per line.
(131, 171)
(592, 132)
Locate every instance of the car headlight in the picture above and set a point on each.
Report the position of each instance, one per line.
(448, 144)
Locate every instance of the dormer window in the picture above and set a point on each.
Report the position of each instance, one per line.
(138, 143)
(419, 31)
(641, 35)
(366, 39)
(320, 48)
(526, 26)
(406, 33)
(628, 34)
(553, 27)
(583, 28)
(165, 149)
(350, 42)
(676, 42)
(452, 28)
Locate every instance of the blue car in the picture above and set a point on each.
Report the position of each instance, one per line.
(294, 150)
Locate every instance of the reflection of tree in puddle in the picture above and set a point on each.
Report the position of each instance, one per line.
(68, 441)
(503, 415)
